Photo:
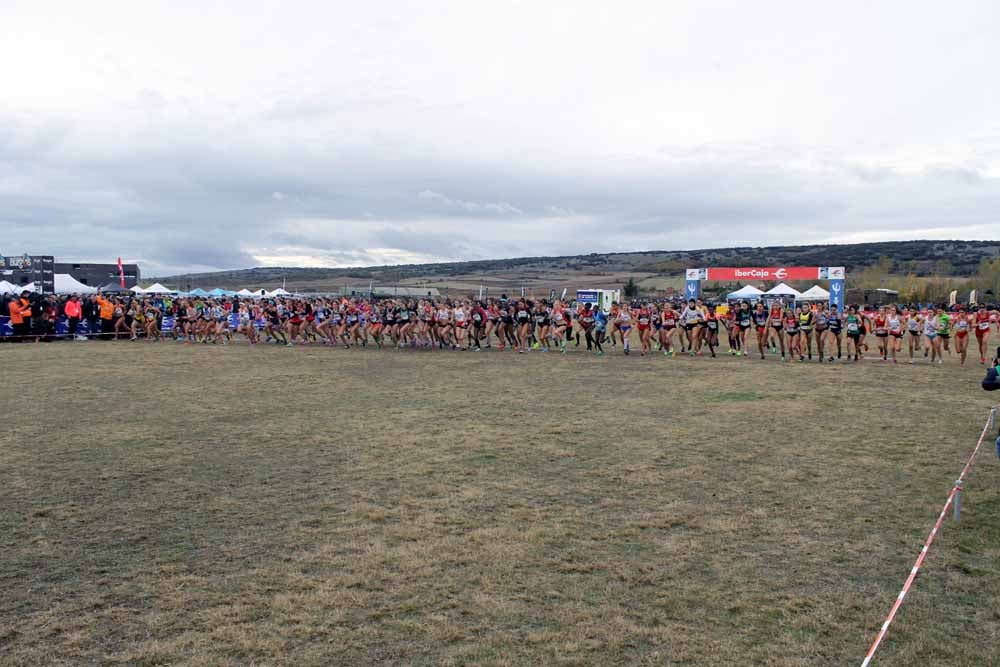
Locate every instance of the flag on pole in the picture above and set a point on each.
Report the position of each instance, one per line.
(121, 272)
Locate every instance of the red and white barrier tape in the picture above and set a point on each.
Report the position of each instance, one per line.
(927, 545)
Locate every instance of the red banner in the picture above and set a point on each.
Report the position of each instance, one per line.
(772, 273)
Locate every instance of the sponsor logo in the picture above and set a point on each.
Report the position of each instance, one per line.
(835, 288)
(756, 273)
(692, 289)
(693, 274)
(837, 272)
(780, 274)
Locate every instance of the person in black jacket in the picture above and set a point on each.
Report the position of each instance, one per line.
(91, 313)
(992, 380)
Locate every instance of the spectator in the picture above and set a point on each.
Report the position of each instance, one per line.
(74, 311)
(107, 311)
(20, 317)
(90, 311)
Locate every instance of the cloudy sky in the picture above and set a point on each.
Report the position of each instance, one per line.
(194, 135)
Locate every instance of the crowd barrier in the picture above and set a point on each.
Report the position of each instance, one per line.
(953, 497)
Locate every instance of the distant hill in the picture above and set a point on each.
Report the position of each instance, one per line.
(655, 268)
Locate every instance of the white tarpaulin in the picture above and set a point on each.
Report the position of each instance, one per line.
(745, 292)
(157, 288)
(781, 289)
(815, 293)
(244, 292)
(279, 292)
(67, 284)
(9, 288)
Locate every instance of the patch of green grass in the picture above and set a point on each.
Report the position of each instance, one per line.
(233, 506)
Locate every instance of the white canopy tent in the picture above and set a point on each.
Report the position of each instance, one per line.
(783, 290)
(746, 292)
(9, 288)
(67, 284)
(279, 292)
(815, 293)
(157, 288)
(137, 290)
(244, 292)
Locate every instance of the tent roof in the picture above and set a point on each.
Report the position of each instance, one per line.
(816, 292)
(745, 292)
(781, 289)
(157, 288)
(67, 284)
(113, 287)
(218, 291)
(279, 292)
(197, 291)
(9, 288)
(244, 292)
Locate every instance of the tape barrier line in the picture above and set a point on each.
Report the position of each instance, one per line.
(927, 544)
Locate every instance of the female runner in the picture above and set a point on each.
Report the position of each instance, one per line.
(692, 317)
(625, 327)
(932, 325)
(836, 325)
(733, 330)
(944, 330)
(461, 319)
(821, 316)
(895, 325)
(559, 324)
(962, 335)
(882, 332)
(643, 326)
(375, 326)
(913, 325)
(776, 327)
(853, 324)
(523, 325)
(541, 329)
(443, 326)
(760, 319)
(792, 333)
(600, 326)
(744, 320)
(982, 331)
(668, 325)
(711, 330)
(805, 331)
(586, 319)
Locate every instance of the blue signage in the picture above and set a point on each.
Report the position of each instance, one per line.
(837, 294)
(693, 290)
(587, 296)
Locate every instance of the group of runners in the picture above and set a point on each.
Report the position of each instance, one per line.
(792, 332)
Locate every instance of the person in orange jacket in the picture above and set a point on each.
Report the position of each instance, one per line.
(107, 316)
(73, 311)
(20, 317)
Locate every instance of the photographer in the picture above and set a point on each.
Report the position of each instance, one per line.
(992, 380)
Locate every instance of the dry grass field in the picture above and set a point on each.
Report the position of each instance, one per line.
(165, 504)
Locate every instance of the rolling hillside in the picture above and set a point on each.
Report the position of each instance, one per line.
(657, 270)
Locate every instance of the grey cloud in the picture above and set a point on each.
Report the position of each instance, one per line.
(202, 206)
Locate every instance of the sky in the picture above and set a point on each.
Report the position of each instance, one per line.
(200, 136)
